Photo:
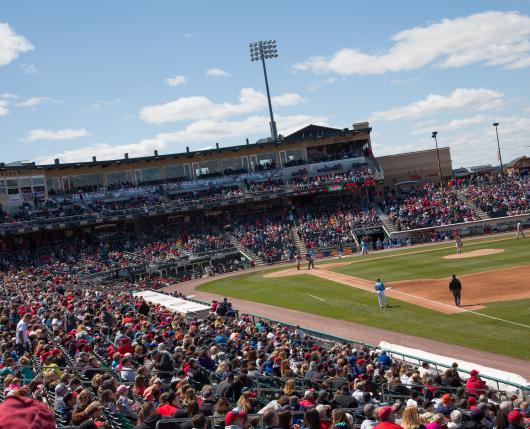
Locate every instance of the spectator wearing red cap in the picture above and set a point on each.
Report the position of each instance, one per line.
(235, 419)
(386, 418)
(474, 385)
(446, 405)
(516, 419)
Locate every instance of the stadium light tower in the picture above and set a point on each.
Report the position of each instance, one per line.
(265, 50)
(434, 134)
(496, 124)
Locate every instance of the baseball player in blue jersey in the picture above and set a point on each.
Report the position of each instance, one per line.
(380, 291)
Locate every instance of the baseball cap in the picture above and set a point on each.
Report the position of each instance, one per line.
(384, 413)
(473, 373)
(447, 398)
(233, 415)
(122, 389)
(515, 415)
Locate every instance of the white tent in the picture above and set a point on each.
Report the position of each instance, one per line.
(178, 305)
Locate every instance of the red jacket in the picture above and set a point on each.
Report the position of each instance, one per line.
(387, 425)
(475, 385)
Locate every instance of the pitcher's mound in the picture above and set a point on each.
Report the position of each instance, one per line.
(475, 253)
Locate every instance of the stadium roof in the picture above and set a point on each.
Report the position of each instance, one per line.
(309, 132)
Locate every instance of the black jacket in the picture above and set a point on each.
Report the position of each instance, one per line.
(149, 422)
(344, 401)
(455, 285)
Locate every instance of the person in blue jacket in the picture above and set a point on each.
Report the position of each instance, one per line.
(380, 291)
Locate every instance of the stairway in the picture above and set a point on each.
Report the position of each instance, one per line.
(388, 226)
(480, 213)
(247, 253)
(300, 245)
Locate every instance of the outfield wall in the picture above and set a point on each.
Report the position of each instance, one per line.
(466, 229)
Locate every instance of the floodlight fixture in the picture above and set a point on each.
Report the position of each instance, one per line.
(260, 51)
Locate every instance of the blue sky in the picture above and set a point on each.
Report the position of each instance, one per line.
(102, 78)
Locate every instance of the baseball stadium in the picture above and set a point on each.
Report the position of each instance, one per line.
(299, 280)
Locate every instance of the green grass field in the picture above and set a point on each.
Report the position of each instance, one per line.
(346, 303)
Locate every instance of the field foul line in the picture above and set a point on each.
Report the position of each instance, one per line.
(463, 311)
(423, 251)
(316, 297)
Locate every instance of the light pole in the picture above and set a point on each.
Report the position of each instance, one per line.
(264, 50)
(434, 134)
(496, 124)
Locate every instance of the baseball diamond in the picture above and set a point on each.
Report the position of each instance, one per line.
(201, 228)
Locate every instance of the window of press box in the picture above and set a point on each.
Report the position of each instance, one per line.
(12, 186)
(148, 176)
(177, 172)
(25, 185)
(117, 179)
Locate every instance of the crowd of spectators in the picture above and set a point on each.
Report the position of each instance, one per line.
(334, 228)
(357, 177)
(499, 198)
(100, 357)
(268, 238)
(427, 206)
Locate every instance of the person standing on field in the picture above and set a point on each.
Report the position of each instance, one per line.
(520, 233)
(380, 291)
(459, 245)
(456, 288)
(310, 260)
(298, 261)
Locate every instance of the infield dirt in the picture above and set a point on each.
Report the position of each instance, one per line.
(477, 289)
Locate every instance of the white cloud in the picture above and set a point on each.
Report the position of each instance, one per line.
(176, 81)
(3, 107)
(208, 129)
(215, 72)
(460, 99)
(475, 146)
(7, 96)
(29, 68)
(455, 124)
(197, 132)
(101, 103)
(33, 102)
(66, 134)
(200, 107)
(105, 151)
(11, 44)
(492, 38)
(187, 35)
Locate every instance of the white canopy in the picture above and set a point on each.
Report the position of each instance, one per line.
(177, 305)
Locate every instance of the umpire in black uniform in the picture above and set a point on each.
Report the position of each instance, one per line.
(456, 288)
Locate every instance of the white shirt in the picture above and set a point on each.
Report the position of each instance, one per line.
(22, 327)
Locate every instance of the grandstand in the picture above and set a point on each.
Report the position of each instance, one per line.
(81, 244)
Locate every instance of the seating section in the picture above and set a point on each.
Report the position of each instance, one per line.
(334, 228)
(425, 207)
(496, 199)
(267, 238)
(100, 354)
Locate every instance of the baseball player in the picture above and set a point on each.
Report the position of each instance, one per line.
(310, 260)
(520, 233)
(341, 250)
(380, 291)
(459, 245)
(364, 247)
(298, 261)
(456, 288)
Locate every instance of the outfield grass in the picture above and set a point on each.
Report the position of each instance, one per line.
(346, 303)
(428, 262)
